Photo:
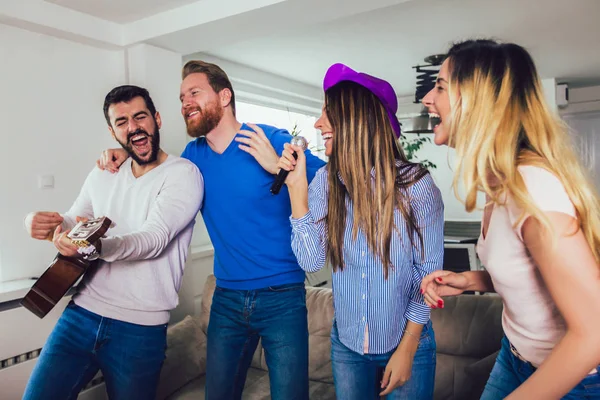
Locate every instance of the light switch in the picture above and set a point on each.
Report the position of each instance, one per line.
(46, 181)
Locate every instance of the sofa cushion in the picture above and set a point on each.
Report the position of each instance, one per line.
(468, 325)
(185, 356)
(479, 373)
(467, 330)
(256, 388)
(319, 303)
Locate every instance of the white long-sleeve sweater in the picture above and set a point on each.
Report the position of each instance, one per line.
(143, 255)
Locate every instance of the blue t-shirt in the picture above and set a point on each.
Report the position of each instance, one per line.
(249, 227)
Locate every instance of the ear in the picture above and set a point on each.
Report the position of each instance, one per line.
(158, 120)
(225, 97)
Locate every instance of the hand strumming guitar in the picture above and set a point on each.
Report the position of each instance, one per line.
(41, 224)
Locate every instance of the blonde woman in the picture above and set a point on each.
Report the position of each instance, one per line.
(379, 221)
(540, 237)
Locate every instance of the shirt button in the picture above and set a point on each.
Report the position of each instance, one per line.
(363, 296)
(363, 275)
(364, 318)
(363, 253)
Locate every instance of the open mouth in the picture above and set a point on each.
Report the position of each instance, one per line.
(192, 114)
(327, 137)
(139, 141)
(435, 119)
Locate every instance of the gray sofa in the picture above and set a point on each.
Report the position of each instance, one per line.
(468, 332)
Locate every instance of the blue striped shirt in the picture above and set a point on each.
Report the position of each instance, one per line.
(361, 295)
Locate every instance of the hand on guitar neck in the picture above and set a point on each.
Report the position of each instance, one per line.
(63, 242)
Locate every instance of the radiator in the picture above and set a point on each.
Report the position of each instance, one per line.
(22, 337)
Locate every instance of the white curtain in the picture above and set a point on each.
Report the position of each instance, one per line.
(586, 134)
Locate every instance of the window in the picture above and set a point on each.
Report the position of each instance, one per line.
(586, 135)
(303, 124)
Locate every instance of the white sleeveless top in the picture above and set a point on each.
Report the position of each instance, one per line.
(530, 319)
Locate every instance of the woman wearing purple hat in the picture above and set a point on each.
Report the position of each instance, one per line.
(378, 220)
(540, 237)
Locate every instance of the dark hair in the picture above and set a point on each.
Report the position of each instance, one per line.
(217, 78)
(494, 58)
(124, 94)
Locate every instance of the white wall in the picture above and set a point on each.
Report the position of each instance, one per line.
(159, 71)
(51, 98)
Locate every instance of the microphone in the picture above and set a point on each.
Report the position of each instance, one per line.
(280, 179)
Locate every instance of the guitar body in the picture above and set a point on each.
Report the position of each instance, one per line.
(54, 283)
(63, 272)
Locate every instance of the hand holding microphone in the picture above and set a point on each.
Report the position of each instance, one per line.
(292, 159)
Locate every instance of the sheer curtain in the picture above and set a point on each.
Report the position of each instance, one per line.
(585, 128)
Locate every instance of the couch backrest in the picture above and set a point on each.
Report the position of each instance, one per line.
(319, 304)
(468, 331)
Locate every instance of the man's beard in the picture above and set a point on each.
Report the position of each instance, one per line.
(154, 140)
(208, 120)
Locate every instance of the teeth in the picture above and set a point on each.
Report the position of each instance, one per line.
(138, 137)
(192, 114)
(434, 115)
(327, 136)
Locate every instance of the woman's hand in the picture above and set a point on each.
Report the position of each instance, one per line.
(398, 369)
(440, 284)
(258, 145)
(297, 167)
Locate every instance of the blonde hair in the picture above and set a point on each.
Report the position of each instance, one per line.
(500, 121)
(365, 143)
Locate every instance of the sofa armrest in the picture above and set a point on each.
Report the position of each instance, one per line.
(185, 356)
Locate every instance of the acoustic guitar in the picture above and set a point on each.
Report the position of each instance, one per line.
(64, 272)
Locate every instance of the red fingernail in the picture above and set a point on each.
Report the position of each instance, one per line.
(422, 291)
(439, 279)
(433, 307)
(440, 304)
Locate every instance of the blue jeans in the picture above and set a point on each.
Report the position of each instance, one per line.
(510, 372)
(130, 357)
(358, 377)
(238, 319)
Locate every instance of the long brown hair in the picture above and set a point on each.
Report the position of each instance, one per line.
(367, 166)
(500, 121)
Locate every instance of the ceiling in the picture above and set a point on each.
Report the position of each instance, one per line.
(562, 35)
(121, 11)
(299, 39)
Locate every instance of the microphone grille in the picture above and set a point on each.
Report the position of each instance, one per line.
(300, 141)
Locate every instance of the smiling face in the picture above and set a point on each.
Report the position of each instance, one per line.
(437, 102)
(201, 106)
(133, 126)
(327, 133)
